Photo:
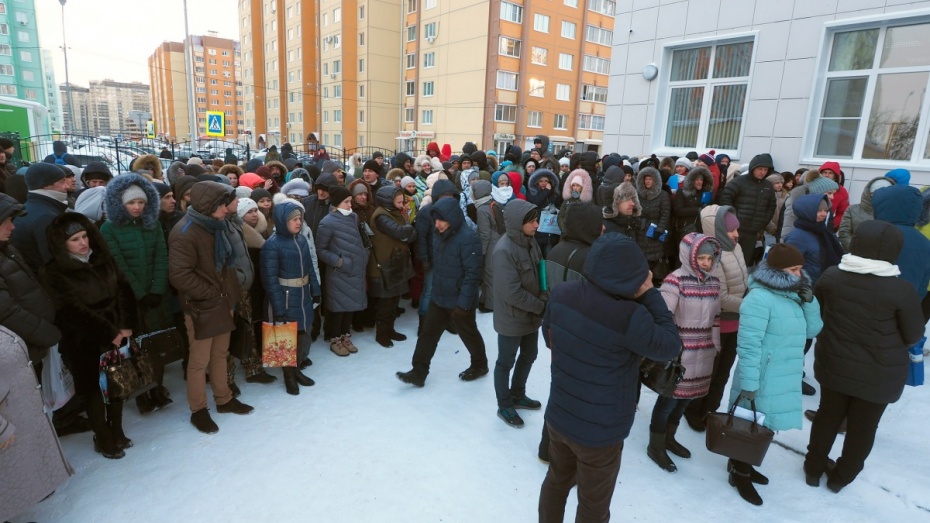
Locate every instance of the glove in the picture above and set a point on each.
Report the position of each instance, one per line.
(544, 296)
(426, 266)
(459, 312)
(748, 394)
(339, 263)
(279, 319)
(150, 301)
(805, 293)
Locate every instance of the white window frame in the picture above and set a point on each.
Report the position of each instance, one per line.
(512, 12)
(598, 35)
(534, 119)
(508, 80)
(563, 92)
(595, 64)
(537, 88)
(410, 88)
(594, 93)
(569, 29)
(502, 113)
(541, 23)
(604, 7)
(411, 61)
(411, 33)
(545, 56)
(426, 117)
(410, 115)
(571, 3)
(591, 122)
(571, 60)
(506, 43)
(430, 30)
(429, 60)
(429, 89)
(560, 122)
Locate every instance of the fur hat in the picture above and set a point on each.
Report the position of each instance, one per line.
(783, 255)
(775, 178)
(194, 160)
(245, 205)
(297, 187)
(625, 191)
(42, 174)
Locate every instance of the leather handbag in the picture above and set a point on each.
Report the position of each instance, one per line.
(165, 346)
(211, 317)
(737, 438)
(662, 377)
(126, 372)
(242, 340)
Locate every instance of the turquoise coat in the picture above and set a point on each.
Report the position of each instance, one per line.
(773, 327)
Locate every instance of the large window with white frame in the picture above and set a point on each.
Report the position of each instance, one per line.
(605, 7)
(593, 93)
(707, 95)
(507, 80)
(541, 23)
(591, 122)
(534, 119)
(510, 47)
(512, 12)
(599, 35)
(505, 113)
(594, 64)
(873, 104)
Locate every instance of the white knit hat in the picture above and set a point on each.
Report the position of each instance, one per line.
(245, 205)
(133, 192)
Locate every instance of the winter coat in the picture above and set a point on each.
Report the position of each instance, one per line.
(339, 246)
(773, 326)
(139, 248)
(34, 466)
(457, 260)
(566, 260)
(29, 235)
(60, 152)
(543, 199)
(93, 301)
(902, 205)
(805, 208)
(586, 196)
(774, 226)
(693, 297)
(25, 307)
(923, 223)
(731, 271)
(858, 213)
(840, 205)
(869, 322)
(314, 208)
(424, 226)
(657, 209)
(632, 225)
(489, 234)
(753, 199)
(518, 308)
(392, 234)
(254, 241)
(287, 256)
(788, 218)
(686, 204)
(598, 335)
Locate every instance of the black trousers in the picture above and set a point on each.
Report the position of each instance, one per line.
(386, 309)
(747, 240)
(434, 324)
(718, 382)
(863, 417)
(337, 324)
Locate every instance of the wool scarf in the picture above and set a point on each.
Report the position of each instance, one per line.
(860, 265)
(223, 253)
(830, 249)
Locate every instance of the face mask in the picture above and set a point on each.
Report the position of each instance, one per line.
(345, 212)
(576, 194)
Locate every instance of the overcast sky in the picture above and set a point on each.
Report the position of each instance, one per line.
(114, 38)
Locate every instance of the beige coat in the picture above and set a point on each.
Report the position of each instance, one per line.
(731, 271)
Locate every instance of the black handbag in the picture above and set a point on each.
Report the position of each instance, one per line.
(662, 377)
(165, 346)
(737, 438)
(242, 341)
(128, 372)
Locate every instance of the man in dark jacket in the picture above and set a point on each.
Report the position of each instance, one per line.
(424, 246)
(583, 225)
(901, 206)
(456, 277)
(753, 197)
(870, 319)
(598, 329)
(47, 199)
(371, 173)
(61, 156)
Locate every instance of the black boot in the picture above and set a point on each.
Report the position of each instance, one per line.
(144, 403)
(696, 418)
(160, 397)
(290, 380)
(673, 446)
(104, 442)
(383, 335)
(739, 478)
(412, 377)
(394, 335)
(419, 325)
(115, 421)
(303, 380)
(656, 452)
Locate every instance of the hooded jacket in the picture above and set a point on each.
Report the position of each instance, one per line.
(902, 205)
(753, 199)
(518, 308)
(339, 246)
(543, 199)
(598, 334)
(566, 260)
(859, 213)
(316, 209)
(656, 209)
(286, 256)
(686, 204)
(29, 235)
(424, 225)
(869, 322)
(612, 178)
(458, 263)
(392, 234)
(806, 208)
(731, 271)
(60, 152)
(585, 196)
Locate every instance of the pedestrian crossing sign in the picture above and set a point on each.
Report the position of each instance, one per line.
(216, 124)
(150, 129)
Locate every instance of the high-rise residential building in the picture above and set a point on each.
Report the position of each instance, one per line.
(81, 113)
(217, 86)
(21, 71)
(107, 108)
(401, 75)
(52, 94)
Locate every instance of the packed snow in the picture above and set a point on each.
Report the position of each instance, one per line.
(362, 446)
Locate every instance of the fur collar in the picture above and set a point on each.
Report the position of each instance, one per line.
(687, 186)
(116, 211)
(777, 280)
(648, 194)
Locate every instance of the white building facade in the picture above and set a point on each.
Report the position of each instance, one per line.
(805, 80)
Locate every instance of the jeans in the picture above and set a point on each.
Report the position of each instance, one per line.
(594, 468)
(427, 293)
(434, 324)
(667, 411)
(507, 346)
(863, 417)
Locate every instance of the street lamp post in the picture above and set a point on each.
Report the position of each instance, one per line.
(64, 47)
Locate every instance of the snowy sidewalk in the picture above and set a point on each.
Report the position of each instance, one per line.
(361, 446)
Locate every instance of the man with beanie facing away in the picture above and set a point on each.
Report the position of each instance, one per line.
(754, 200)
(47, 199)
(519, 303)
(201, 266)
(595, 372)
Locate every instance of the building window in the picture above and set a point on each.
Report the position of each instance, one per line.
(591, 122)
(361, 91)
(6, 50)
(510, 47)
(337, 91)
(571, 3)
(411, 60)
(30, 94)
(505, 113)
(599, 35)
(593, 64)
(8, 89)
(361, 140)
(325, 68)
(411, 6)
(605, 7)
(336, 41)
(560, 122)
(568, 30)
(337, 116)
(23, 36)
(563, 92)
(361, 117)
(430, 4)
(539, 56)
(361, 65)
(326, 93)
(566, 61)
(411, 33)
(4, 29)
(427, 118)
(337, 66)
(361, 39)
(429, 60)
(411, 88)
(512, 12)
(537, 88)
(25, 56)
(429, 30)
(507, 80)
(714, 77)
(870, 106)
(593, 93)
(409, 115)
(337, 140)
(2, 8)
(541, 23)
(534, 119)
(361, 12)
(427, 88)
(28, 76)
(337, 15)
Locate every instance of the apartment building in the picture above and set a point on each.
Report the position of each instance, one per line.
(106, 108)
(52, 94)
(216, 83)
(21, 71)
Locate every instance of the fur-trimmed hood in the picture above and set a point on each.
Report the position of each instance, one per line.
(418, 163)
(355, 160)
(534, 178)
(624, 191)
(687, 186)
(150, 163)
(371, 197)
(865, 203)
(587, 192)
(116, 211)
(57, 238)
(648, 194)
(777, 281)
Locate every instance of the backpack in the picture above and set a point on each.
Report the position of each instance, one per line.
(59, 160)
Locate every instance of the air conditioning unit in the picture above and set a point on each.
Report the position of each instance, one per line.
(333, 76)
(430, 39)
(329, 39)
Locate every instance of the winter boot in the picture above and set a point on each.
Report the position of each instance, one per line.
(673, 446)
(696, 419)
(234, 406)
(383, 335)
(412, 377)
(290, 380)
(526, 403)
(204, 423)
(347, 343)
(161, 397)
(510, 417)
(394, 335)
(144, 403)
(656, 452)
(104, 442)
(115, 421)
(472, 373)
(261, 377)
(303, 380)
(338, 347)
(740, 479)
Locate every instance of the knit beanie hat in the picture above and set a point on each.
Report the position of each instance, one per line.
(74, 227)
(775, 178)
(243, 191)
(684, 163)
(821, 185)
(407, 180)
(194, 161)
(338, 195)
(730, 221)
(564, 161)
(133, 192)
(360, 188)
(371, 165)
(782, 256)
(297, 211)
(42, 174)
(329, 167)
(692, 155)
(258, 194)
(245, 205)
(707, 247)
(708, 159)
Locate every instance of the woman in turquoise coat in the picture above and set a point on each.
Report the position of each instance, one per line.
(776, 318)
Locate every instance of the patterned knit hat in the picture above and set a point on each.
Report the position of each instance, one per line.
(731, 221)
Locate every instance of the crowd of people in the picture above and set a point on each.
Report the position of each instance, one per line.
(613, 259)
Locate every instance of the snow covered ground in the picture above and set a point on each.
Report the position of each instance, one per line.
(362, 446)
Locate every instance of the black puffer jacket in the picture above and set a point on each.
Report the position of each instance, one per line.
(657, 209)
(686, 206)
(753, 198)
(566, 260)
(869, 321)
